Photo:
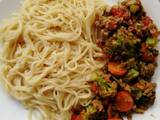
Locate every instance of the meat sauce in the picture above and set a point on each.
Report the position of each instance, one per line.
(128, 38)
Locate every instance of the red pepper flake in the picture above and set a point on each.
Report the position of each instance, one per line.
(146, 56)
(94, 88)
(119, 12)
(154, 32)
(108, 56)
(147, 21)
(112, 25)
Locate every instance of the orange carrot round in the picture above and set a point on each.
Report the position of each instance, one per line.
(116, 69)
(124, 101)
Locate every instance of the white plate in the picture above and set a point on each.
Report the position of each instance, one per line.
(10, 109)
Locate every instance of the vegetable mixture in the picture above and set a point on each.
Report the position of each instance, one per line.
(128, 38)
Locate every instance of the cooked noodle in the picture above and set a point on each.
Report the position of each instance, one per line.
(48, 54)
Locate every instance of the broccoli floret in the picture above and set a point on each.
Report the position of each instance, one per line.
(100, 81)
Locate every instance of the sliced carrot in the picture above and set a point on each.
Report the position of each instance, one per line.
(116, 69)
(124, 101)
(76, 117)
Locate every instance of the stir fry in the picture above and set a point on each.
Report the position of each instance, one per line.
(128, 38)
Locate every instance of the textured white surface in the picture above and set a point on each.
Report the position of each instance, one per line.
(10, 109)
(7, 7)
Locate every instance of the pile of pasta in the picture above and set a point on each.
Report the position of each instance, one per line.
(48, 53)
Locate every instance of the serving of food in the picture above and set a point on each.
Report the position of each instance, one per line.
(128, 38)
(80, 59)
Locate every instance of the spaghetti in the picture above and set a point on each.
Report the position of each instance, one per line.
(48, 54)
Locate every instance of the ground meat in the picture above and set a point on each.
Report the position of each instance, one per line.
(147, 71)
(77, 110)
(98, 116)
(145, 93)
(154, 51)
